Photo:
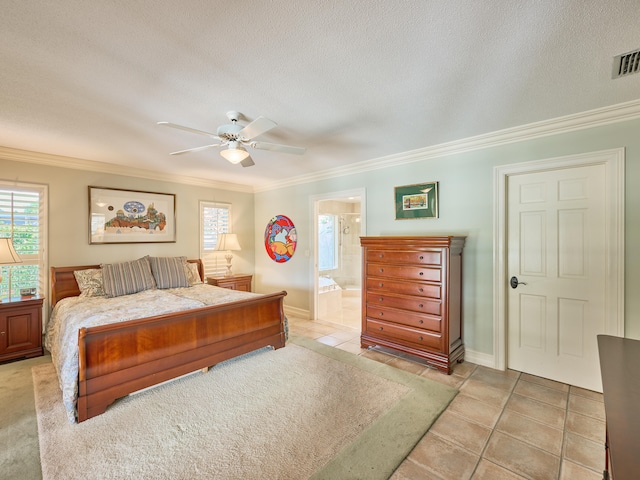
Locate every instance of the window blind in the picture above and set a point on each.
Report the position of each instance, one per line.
(23, 219)
(215, 218)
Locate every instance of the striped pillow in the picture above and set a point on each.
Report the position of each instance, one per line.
(127, 277)
(168, 272)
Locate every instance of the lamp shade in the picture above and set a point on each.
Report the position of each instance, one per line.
(235, 154)
(228, 241)
(8, 254)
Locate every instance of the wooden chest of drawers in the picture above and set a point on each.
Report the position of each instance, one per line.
(21, 328)
(412, 299)
(233, 282)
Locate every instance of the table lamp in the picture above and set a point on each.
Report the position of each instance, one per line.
(228, 242)
(8, 256)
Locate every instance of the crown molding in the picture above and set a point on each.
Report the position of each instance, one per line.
(39, 158)
(592, 118)
(570, 123)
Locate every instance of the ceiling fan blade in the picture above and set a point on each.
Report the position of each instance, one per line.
(247, 162)
(189, 129)
(196, 149)
(278, 148)
(259, 126)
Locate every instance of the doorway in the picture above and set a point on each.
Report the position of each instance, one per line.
(559, 233)
(338, 225)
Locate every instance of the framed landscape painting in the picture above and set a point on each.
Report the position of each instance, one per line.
(131, 216)
(417, 201)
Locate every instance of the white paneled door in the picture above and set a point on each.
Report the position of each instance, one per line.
(556, 240)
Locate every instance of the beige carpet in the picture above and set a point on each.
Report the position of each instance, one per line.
(306, 410)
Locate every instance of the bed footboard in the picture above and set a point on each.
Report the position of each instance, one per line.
(118, 359)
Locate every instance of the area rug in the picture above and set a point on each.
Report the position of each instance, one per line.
(303, 411)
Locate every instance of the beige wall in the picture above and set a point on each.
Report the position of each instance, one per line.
(69, 212)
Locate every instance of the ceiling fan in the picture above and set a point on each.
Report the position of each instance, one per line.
(236, 138)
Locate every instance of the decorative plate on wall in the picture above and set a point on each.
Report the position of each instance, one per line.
(280, 238)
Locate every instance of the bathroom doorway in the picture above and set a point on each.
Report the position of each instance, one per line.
(339, 223)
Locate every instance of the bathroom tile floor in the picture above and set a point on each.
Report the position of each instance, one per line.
(502, 425)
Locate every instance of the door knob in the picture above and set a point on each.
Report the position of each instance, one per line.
(514, 282)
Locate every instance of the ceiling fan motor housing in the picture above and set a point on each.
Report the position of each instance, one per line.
(229, 132)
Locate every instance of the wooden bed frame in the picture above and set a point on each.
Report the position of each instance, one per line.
(118, 359)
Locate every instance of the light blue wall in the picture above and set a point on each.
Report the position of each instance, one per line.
(466, 208)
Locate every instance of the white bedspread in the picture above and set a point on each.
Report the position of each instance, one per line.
(73, 313)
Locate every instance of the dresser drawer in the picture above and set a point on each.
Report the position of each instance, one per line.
(406, 288)
(416, 304)
(417, 257)
(423, 338)
(417, 320)
(405, 272)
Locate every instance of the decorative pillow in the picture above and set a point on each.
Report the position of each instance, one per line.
(193, 275)
(89, 282)
(126, 278)
(168, 272)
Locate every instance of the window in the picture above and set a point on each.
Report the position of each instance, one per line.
(215, 218)
(327, 242)
(23, 214)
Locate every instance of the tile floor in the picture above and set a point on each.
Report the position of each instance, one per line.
(502, 425)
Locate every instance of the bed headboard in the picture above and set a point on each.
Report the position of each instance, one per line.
(63, 281)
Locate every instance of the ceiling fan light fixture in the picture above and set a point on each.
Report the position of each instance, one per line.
(236, 137)
(235, 154)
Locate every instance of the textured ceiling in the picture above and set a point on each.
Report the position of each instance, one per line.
(351, 80)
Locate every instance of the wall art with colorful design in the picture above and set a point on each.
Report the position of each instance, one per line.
(280, 239)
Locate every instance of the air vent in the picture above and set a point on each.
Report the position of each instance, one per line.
(626, 64)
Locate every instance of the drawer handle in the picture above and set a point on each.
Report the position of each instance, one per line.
(381, 284)
(381, 270)
(421, 273)
(380, 328)
(421, 289)
(1, 333)
(421, 306)
(420, 338)
(420, 322)
(421, 257)
(381, 314)
(381, 299)
(381, 255)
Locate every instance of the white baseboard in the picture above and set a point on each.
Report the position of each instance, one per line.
(479, 358)
(297, 312)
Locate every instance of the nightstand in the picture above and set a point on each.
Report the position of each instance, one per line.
(234, 282)
(20, 328)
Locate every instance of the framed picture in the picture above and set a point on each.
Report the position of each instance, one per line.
(131, 216)
(417, 201)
